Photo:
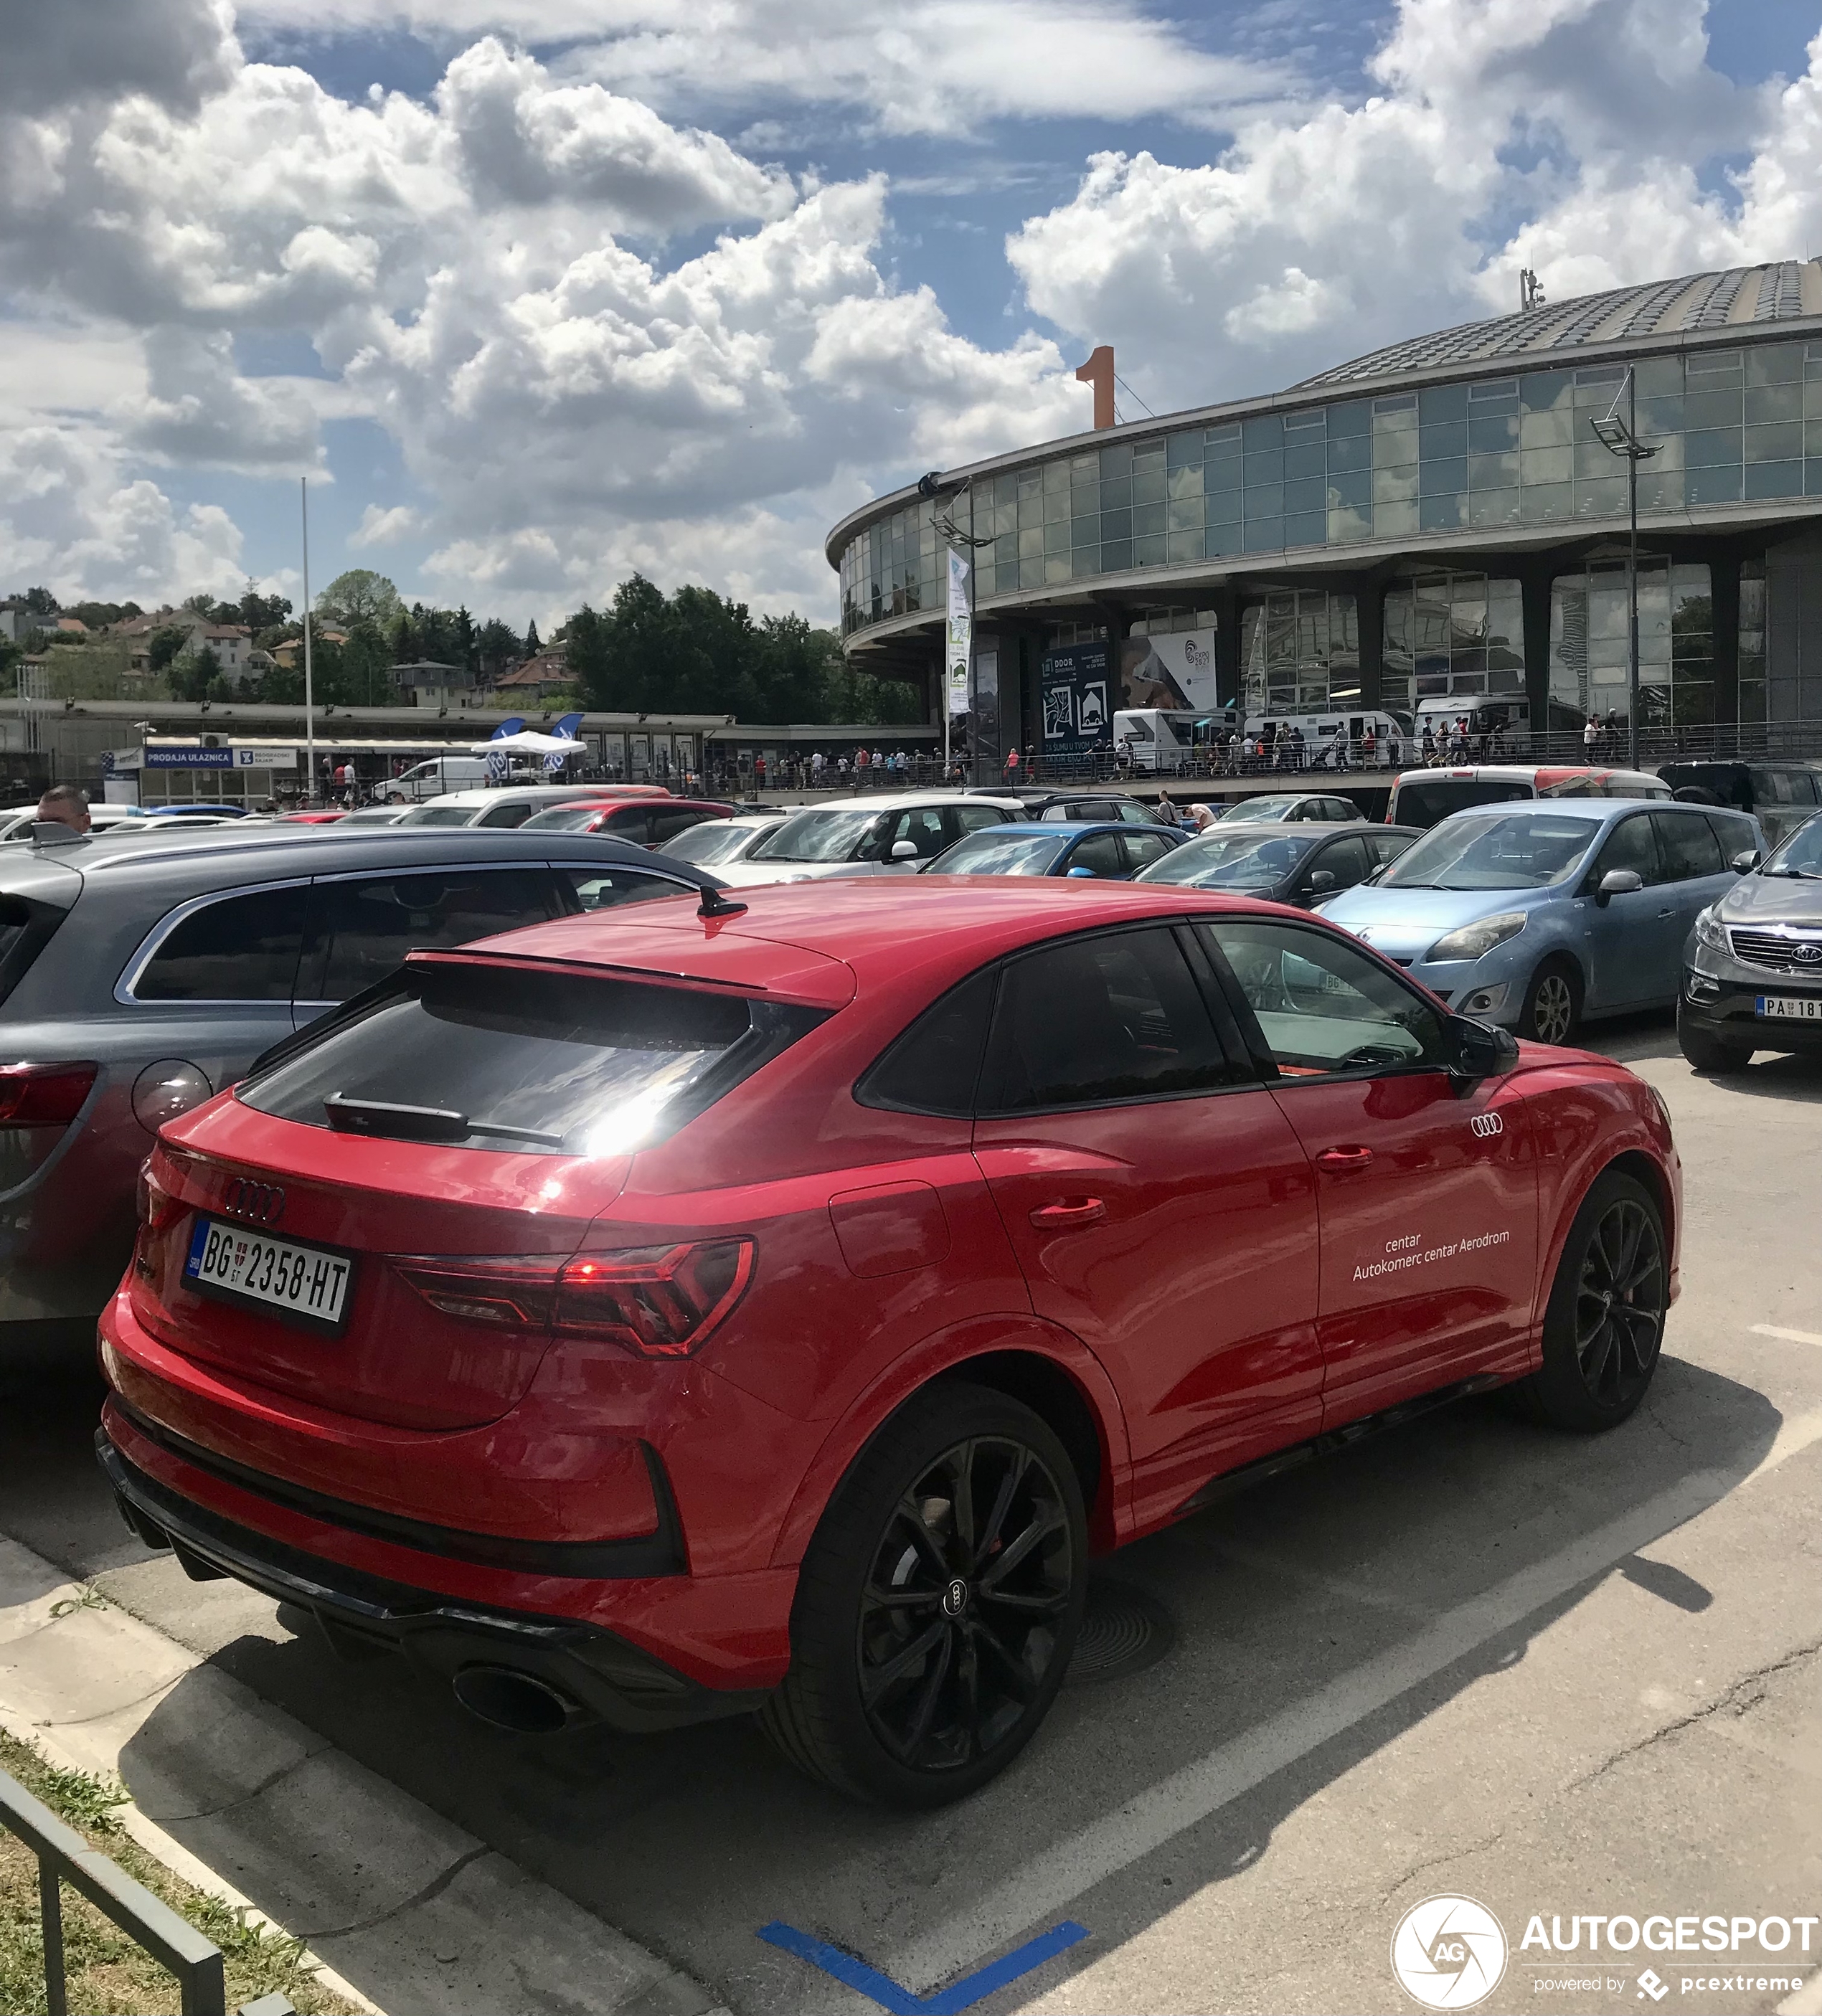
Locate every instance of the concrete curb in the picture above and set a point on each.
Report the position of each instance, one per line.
(400, 1911)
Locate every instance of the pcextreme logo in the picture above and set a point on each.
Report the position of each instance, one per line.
(1449, 1952)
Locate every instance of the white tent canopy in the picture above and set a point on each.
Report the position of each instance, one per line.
(528, 742)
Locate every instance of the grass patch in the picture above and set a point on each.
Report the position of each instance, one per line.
(108, 1974)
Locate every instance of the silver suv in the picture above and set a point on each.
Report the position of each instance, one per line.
(139, 976)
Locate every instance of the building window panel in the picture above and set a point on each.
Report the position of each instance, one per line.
(1394, 446)
(1310, 494)
(1224, 540)
(1713, 448)
(1147, 520)
(1056, 538)
(1266, 500)
(1263, 431)
(1773, 402)
(1264, 468)
(1493, 507)
(1442, 511)
(1116, 462)
(1116, 555)
(1056, 506)
(1715, 486)
(1774, 479)
(1116, 494)
(1774, 363)
(1493, 472)
(1813, 394)
(1712, 409)
(1031, 510)
(1183, 450)
(1352, 489)
(1354, 419)
(1354, 452)
(1056, 477)
(1185, 480)
(1393, 520)
(1149, 551)
(1221, 480)
(1347, 523)
(1181, 547)
(1149, 486)
(1030, 570)
(1116, 525)
(1442, 402)
(1305, 459)
(1659, 417)
(1185, 513)
(1660, 489)
(1812, 477)
(1546, 392)
(1264, 535)
(1147, 458)
(1491, 434)
(1600, 497)
(1085, 531)
(1031, 542)
(1438, 442)
(1396, 486)
(1547, 465)
(1305, 528)
(1057, 568)
(1442, 476)
(1775, 443)
(1554, 429)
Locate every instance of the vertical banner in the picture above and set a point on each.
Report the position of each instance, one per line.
(1072, 684)
(960, 634)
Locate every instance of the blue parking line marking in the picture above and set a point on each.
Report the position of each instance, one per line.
(959, 1995)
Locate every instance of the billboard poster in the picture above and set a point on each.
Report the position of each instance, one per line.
(1073, 683)
(960, 634)
(1175, 671)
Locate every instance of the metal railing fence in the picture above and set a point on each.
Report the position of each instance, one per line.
(64, 1856)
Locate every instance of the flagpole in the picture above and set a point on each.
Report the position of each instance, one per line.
(309, 688)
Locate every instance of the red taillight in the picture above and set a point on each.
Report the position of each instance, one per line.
(157, 1207)
(43, 1095)
(660, 1301)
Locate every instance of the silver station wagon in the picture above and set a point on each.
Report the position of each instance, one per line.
(140, 975)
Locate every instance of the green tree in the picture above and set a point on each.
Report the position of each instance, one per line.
(498, 647)
(163, 645)
(40, 601)
(197, 676)
(201, 605)
(532, 646)
(359, 592)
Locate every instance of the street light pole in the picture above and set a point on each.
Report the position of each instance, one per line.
(309, 688)
(1621, 437)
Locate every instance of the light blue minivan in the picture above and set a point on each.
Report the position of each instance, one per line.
(1535, 915)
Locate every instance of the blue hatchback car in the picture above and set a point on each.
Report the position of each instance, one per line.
(1112, 852)
(1534, 916)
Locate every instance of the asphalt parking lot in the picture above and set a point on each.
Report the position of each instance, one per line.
(1562, 1677)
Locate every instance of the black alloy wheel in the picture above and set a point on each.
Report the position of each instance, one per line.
(963, 1613)
(1605, 1327)
(938, 1603)
(1619, 1304)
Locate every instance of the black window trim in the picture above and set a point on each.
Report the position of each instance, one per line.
(133, 971)
(1241, 1009)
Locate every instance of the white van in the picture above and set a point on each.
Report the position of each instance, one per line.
(441, 775)
(1160, 738)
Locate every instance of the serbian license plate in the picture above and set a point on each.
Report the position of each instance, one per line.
(307, 1282)
(1790, 1008)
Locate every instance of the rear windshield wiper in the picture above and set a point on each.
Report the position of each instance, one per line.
(386, 1118)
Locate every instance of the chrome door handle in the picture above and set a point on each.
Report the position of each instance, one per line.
(1667, 913)
(1061, 1216)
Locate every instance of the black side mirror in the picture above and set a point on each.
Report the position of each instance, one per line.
(1480, 1050)
(1743, 862)
(1321, 881)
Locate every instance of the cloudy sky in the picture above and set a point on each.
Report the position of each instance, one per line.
(537, 292)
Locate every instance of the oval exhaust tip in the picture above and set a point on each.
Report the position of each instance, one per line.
(510, 1700)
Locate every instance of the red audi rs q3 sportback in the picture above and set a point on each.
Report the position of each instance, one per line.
(774, 1305)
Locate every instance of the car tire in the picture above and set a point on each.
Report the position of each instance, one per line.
(1597, 1365)
(891, 1568)
(1706, 1052)
(1553, 1003)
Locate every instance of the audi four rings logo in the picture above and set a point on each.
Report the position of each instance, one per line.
(1487, 1125)
(263, 1203)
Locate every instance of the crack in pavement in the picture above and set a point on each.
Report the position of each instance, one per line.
(1744, 1694)
(435, 1887)
(1437, 1861)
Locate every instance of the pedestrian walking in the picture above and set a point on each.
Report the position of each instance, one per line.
(1012, 765)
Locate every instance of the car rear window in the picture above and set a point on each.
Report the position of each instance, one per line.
(479, 1056)
(1429, 799)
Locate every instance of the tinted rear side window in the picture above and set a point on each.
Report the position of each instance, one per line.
(1431, 799)
(360, 931)
(26, 928)
(1098, 1020)
(240, 949)
(934, 1066)
(531, 1062)
(1689, 846)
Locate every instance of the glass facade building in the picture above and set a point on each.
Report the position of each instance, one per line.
(1368, 533)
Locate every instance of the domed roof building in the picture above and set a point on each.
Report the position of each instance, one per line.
(1434, 522)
